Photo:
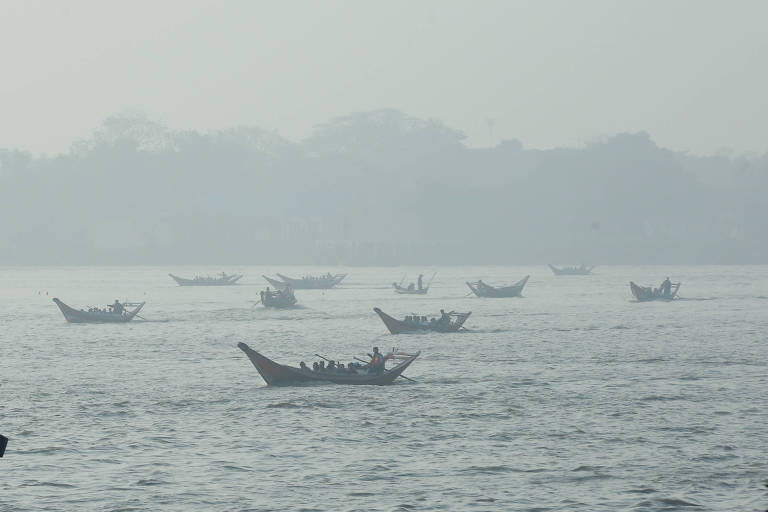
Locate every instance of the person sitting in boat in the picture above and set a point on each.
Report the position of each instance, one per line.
(315, 366)
(410, 287)
(117, 308)
(331, 366)
(303, 366)
(377, 361)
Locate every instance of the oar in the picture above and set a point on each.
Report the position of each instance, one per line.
(323, 357)
(403, 279)
(430, 280)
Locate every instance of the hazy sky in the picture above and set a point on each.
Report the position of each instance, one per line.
(694, 74)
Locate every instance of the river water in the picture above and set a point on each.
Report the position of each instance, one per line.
(571, 398)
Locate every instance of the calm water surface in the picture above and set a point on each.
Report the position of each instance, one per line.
(571, 398)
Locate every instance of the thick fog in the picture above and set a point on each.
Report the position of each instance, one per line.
(383, 133)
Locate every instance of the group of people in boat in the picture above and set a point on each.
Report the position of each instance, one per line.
(325, 277)
(411, 287)
(445, 318)
(221, 277)
(116, 309)
(375, 365)
(276, 294)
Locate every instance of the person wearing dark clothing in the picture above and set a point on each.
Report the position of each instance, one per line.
(117, 307)
(421, 276)
(666, 287)
(377, 361)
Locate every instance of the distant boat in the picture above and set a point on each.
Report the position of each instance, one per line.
(412, 289)
(278, 298)
(276, 374)
(448, 322)
(308, 282)
(482, 289)
(581, 270)
(98, 316)
(648, 293)
(222, 280)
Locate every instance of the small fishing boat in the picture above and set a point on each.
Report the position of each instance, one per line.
(581, 270)
(413, 289)
(276, 374)
(446, 322)
(307, 282)
(278, 298)
(648, 293)
(99, 316)
(222, 280)
(482, 289)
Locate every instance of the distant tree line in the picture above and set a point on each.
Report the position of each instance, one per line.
(374, 188)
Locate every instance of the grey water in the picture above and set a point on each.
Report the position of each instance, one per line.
(573, 397)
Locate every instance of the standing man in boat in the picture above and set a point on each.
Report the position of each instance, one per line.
(420, 281)
(377, 361)
(117, 308)
(666, 287)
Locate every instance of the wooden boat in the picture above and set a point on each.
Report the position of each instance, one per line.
(482, 289)
(278, 298)
(308, 282)
(222, 280)
(581, 270)
(79, 316)
(276, 374)
(411, 289)
(648, 293)
(447, 322)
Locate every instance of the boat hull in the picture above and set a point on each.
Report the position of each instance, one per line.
(406, 291)
(396, 326)
(78, 316)
(308, 284)
(276, 374)
(278, 303)
(573, 271)
(484, 290)
(228, 281)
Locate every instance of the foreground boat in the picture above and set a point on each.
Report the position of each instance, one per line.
(97, 316)
(482, 289)
(278, 298)
(222, 280)
(581, 270)
(647, 293)
(308, 282)
(276, 374)
(447, 322)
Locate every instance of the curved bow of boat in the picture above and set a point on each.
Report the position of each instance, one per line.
(394, 325)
